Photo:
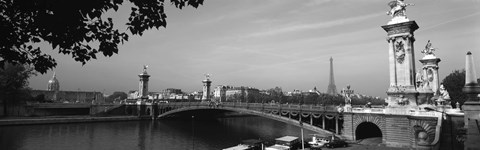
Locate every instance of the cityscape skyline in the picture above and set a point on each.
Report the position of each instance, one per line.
(275, 43)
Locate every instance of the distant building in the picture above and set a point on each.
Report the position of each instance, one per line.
(231, 93)
(197, 95)
(53, 93)
(133, 94)
(220, 92)
(296, 92)
(169, 93)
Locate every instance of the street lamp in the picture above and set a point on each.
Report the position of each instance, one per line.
(301, 131)
(193, 133)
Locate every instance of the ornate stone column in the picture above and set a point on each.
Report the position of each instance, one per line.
(143, 86)
(402, 65)
(427, 79)
(206, 88)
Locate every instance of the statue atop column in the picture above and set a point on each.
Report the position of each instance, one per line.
(145, 69)
(428, 49)
(397, 11)
(397, 8)
(207, 76)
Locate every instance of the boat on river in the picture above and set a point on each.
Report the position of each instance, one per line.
(317, 141)
(285, 143)
(250, 144)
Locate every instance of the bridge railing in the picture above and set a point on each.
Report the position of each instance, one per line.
(258, 106)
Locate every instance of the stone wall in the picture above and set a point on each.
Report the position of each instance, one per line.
(451, 137)
(59, 111)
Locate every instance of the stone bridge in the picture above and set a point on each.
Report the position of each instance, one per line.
(397, 127)
(322, 119)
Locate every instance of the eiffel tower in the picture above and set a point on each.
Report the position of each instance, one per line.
(332, 89)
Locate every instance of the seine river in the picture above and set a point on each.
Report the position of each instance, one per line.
(171, 134)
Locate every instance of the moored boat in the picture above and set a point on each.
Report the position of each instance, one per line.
(250, 144)
(285, 143)
(317, 141)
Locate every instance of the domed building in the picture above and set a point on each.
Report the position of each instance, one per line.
(53, 93)
(53, 84)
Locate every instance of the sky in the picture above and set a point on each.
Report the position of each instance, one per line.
(269, 43)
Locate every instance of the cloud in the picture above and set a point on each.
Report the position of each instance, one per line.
(449, 21)
(316, 2)
(320, 25)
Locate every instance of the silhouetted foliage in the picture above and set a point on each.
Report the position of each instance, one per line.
(454, 82)
(116, 96)
(75, 27)
(276, 94)
(41, 99)
(13, 84)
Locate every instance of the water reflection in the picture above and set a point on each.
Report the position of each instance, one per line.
(142, 135)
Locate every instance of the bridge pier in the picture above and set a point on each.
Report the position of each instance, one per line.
(336, 124)
(348, 131)
(323, 121)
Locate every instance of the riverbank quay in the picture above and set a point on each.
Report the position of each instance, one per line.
(8, 121)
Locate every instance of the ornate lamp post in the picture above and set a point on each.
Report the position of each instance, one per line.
(348, 101)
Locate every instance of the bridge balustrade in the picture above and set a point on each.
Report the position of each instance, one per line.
(262, 106)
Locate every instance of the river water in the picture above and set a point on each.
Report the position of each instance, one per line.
(171, 134)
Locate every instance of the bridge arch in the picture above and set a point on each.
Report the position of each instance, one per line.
(275, 115)
(366, 126)
(367, 130)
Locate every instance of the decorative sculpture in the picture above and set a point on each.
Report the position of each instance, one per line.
(428, 49)
(397, 8)
(145, 68)
(400, 52)
(401, 100)
(347, 93)
(207, 76)
(444, 97)
(419, 78)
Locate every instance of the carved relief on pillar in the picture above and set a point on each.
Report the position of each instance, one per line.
(399, 51)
